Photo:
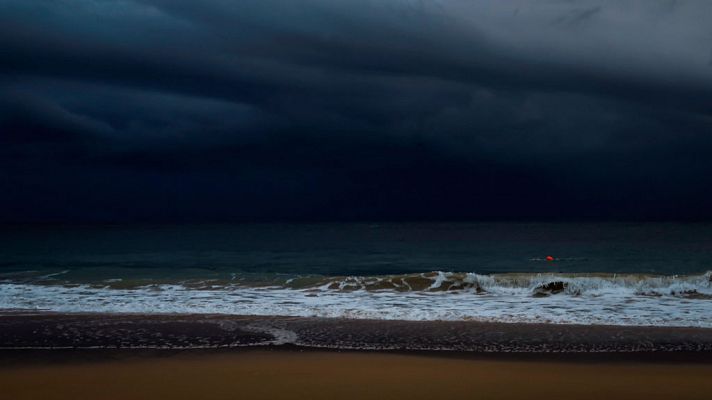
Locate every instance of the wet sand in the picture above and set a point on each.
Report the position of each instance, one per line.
(172, 331)
(262, 374)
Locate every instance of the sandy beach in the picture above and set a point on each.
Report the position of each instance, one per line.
(134, 356)
(261, 374)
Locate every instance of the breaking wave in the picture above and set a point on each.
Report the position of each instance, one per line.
(537, 284)
(631, 299)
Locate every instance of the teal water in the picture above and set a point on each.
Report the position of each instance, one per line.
(179, 251)
(601, 273)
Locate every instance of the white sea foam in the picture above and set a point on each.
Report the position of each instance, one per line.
(615, 300)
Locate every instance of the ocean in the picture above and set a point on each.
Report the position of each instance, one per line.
(641, 274)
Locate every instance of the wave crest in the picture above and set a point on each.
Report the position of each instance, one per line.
(693, 286)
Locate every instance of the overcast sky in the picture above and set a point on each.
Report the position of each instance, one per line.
(218, 110)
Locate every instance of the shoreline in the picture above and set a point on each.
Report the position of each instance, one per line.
(46, 331)
(12, 359)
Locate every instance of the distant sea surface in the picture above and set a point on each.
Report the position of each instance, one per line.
(601, 273)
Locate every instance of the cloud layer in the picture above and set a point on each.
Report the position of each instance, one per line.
(312, 109)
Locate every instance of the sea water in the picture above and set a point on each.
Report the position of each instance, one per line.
(601, 273)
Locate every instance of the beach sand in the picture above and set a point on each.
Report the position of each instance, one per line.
(264, 374)
(136, 356)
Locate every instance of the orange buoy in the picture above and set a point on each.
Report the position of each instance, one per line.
(549, 258)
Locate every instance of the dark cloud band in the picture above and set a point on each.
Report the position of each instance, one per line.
(354, 109)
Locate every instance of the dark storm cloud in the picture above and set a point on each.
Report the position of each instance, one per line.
(218, 109)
